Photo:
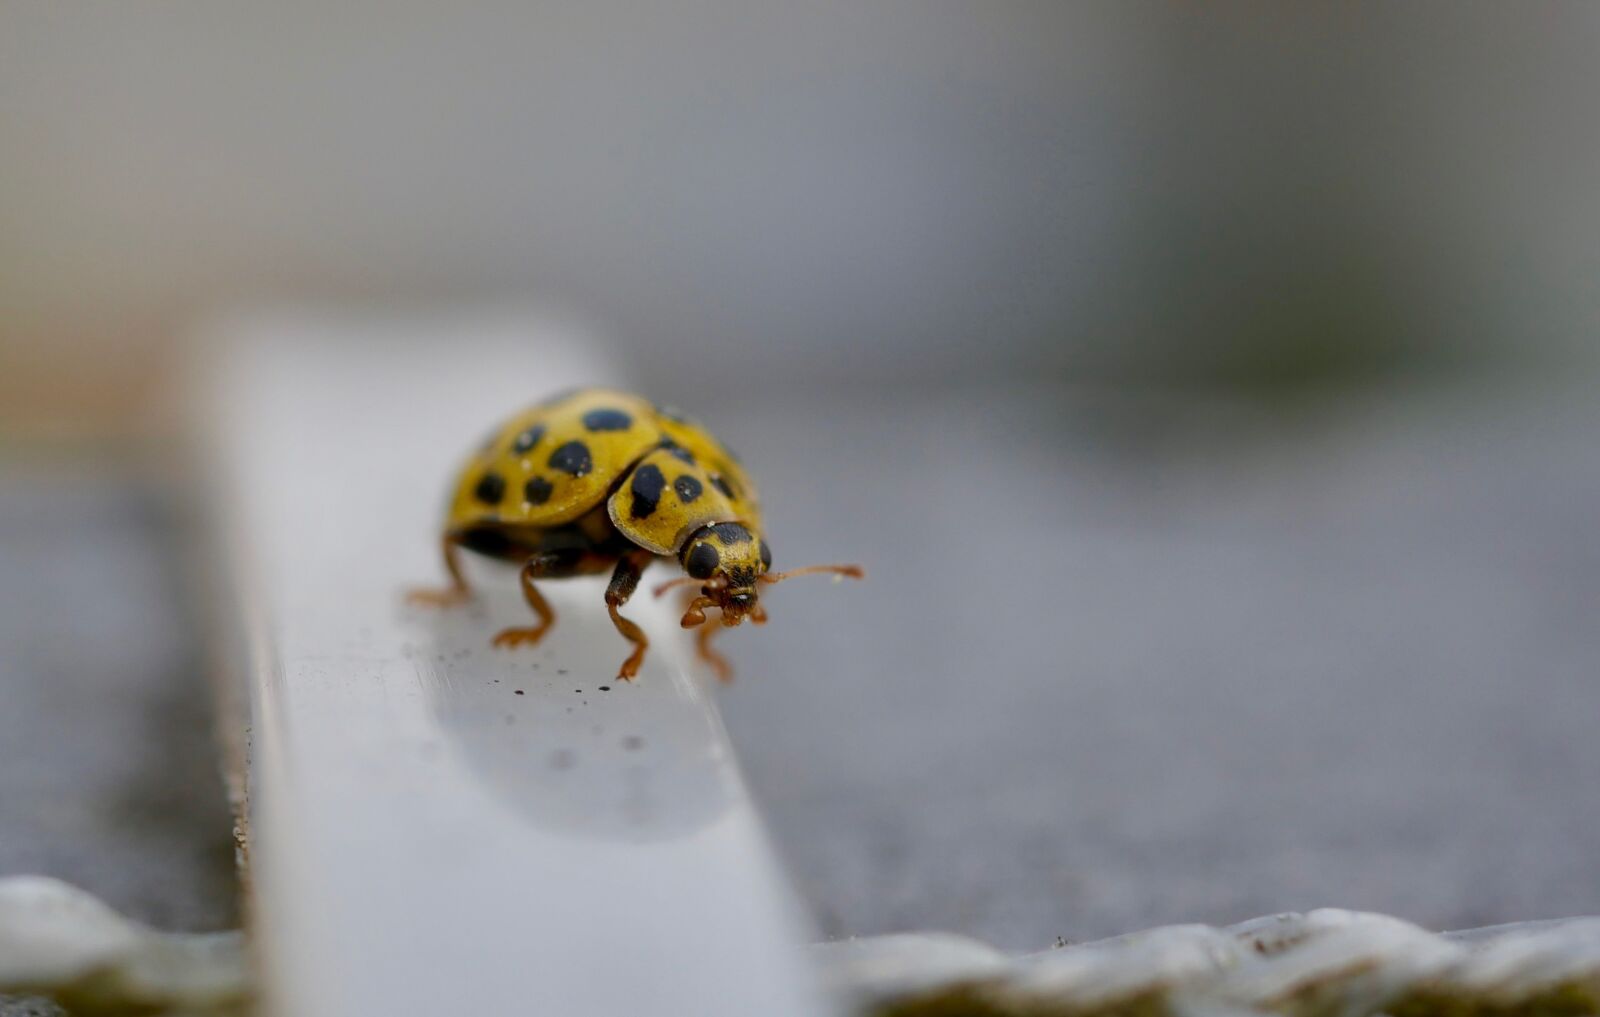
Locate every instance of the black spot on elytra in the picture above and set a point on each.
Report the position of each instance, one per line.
(766, 556)
(528, 439)
(721, 484)
(647, 486)
(491, 488)
(537, 490)
(730, 533)
(687, 487)
(702, 561)
(677, 451)
(607, 419)
(572, 458)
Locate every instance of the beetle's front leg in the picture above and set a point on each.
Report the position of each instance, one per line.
(623, 582)
(719, 663)
(694, 615)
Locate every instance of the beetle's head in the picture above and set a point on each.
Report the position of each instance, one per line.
(729, 560)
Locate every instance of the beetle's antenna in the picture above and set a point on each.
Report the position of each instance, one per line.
(850, 571)
(715, 583)
(671, 583)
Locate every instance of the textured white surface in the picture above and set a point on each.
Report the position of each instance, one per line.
(57, 939)
(441, 827)
(1324, 962)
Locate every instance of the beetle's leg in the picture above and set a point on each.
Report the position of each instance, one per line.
(623, 582)
(534, 567)
(694, 610)
(702, 644)
(694, 616)
(458, 591)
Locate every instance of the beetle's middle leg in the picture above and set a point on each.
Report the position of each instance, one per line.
(623, 582)
(457, 591)
(538, 565)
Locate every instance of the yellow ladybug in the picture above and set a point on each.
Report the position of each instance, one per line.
(597, 479)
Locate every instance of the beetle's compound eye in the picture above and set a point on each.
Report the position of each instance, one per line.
(766, 555)
(703, 561)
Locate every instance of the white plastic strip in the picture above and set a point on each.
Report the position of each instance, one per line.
(439, 826)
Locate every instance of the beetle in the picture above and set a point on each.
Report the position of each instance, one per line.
(596, 479)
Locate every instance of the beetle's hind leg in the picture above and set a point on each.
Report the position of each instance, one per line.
(530, 635)
(458, 591)
(623, 582)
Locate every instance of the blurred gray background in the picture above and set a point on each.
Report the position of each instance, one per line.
(1207, 390)
(890, 192)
